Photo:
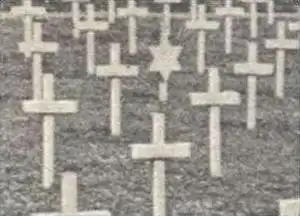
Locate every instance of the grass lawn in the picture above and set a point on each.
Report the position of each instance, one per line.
(259, 166)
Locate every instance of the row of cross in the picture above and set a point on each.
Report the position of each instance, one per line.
(165, 61)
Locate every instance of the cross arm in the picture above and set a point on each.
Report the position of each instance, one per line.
(117, 70)
(232, 11)
(40, 47)
(281, 44)
(202, 25)
(215, 99)
(255, 69)
(138, 12)
(83, 213)
(50, 107)
(76, 1)
(94, 26)
(294, 26)
(31, 11)
(255, 1)
(161, 151)
(167, 1)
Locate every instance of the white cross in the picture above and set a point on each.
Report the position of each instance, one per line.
(215, 99)
(229, 12)
(90, 25)
(166, 23)
(254, 17)
(37, 47)
(159, 151)
(28, 12)
(252, 69)
(281, 44)
(48, 107)
(132, 12)
(289, 207)
(116, 70)
(76, 14)
(69, 199)
(202, 25)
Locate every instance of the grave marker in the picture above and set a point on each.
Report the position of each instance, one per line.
(69, 199)
(159, 151)
(116, 70)
(215, 99)
(165, 61)
(132, 12)
(252, 69)
(47, 106)
(36, 46)
(76, 14)
(90, 25)
(28, 12)
(289, 207)
(254, 14)
(229, 12)
(201, 25)
(281, 44)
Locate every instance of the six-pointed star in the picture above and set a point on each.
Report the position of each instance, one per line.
(165, 59)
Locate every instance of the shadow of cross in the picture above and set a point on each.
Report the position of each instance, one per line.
(159, 151)
(47, 106)
(252, 69)
(75, 14)
(69, 200)
(289, 207)
(281, 44)
(116, 70)
(132, 12)
(215, 99)
(28, 12)
(201, 24)
(228, 11)
(91, 25)
(254, 16)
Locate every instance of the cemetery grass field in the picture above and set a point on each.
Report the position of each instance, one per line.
(259, 166)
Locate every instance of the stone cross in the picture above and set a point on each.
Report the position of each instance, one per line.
(254, 16)
(116, 70)
(229, 12)
(159, 151)
(90, 25)
(165, 61)
(166, 23)
(215, 99)
(69, 200)
(132, 12)
(289, 207)
(252, 69)
(76, 14)
(28, 12)
(36, 46)
(48, 106)
(202, 25)
(281, 44)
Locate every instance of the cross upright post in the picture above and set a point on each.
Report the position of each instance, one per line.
(201, 25)
(281, 44)
(132, 12)
(215, 99)
(28, 12)
(193, 9)
(69, 199)
(116, 70)
(111, 11)
(252, 69)
(289, 207)
(91, 25)
(159, 151)
(36, 46)
(76, 15)
(229, 12)
(47, 106)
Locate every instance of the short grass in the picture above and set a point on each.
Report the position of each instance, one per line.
(259, 166)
